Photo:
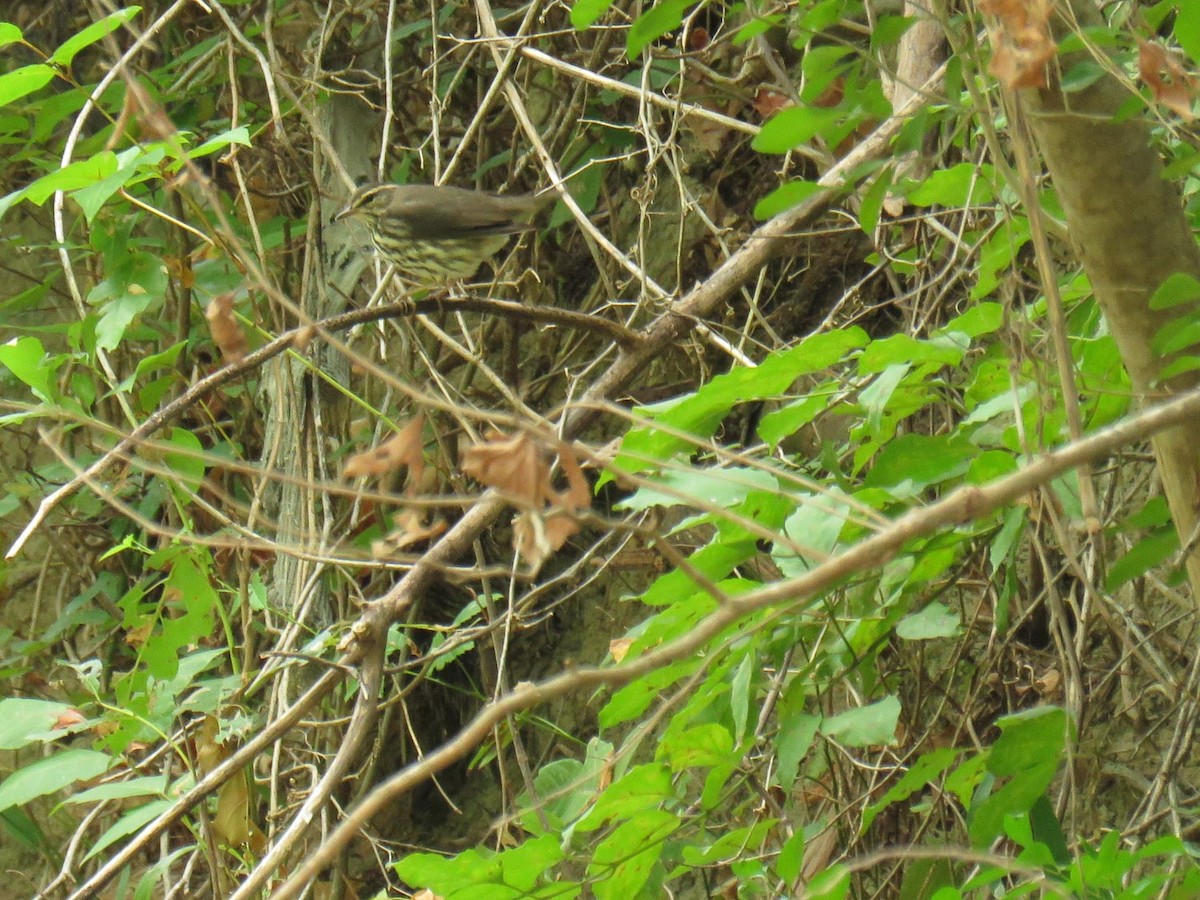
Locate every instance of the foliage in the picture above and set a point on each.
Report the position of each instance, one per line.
(913, 727)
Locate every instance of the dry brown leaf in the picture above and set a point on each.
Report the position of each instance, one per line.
(411, 529)
(767, 102)
(1021, 41)
(1170, 83)
(67, 719)
(403, 449)
(225, 330)
(511, 465)
(619, 647)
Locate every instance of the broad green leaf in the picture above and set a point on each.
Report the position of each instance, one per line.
(1027, 754)
(636, 697)
(921, 773)
(997, 254)
(622, 863)
(134, 281)
(1187, 28)
(719, 487)
(708, 744)
(797, 730)
(446, 876)
(784, 197)
(793, 126)
(45, 776)
(186, 462)
(147, 786)
(955, 187)
(730, 845)
(741, 689)
(81, 173)
(815, 527)
(239, 135)
(1150, 552)
(26, 358)
(946, 349)
(865, 726)
(585, 13)
(133, 164)
(714, 562)
(16, 84)
(660, 19)
(700, 413)
(913, 462)
(24, 721)
(934, 621)
(129, 823)
(832, 884)
(642, 787)
(979, 319)
(9, 34)
(92, 33)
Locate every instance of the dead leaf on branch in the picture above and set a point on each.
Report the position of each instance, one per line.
(516, 467)
(1022, 45)
(225, 329)
(1171, 84)
(405, 448)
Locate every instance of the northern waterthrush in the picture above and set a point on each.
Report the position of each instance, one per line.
(438, 234)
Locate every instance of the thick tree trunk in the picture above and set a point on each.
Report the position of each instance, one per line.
(1128, 225)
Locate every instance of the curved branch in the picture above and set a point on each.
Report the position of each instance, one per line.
(963, 505)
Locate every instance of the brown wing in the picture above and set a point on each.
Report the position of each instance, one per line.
(447, 212)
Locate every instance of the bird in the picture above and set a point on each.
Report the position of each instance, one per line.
(437, 234)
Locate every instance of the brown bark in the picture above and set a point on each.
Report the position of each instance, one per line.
(1131, 234)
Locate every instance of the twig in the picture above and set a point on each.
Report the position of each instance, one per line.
(966, 504)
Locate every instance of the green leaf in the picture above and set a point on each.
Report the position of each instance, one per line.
(1148, 553)
(129, 823)
(16, 84)
(700, 413)
(9, 34)
(1187, 28)
(900, 349)
(921, 773)
(147, 786)
(134, 281)
(81, 173)
(708, 744)
(913, 462)
(51, 774)
(24, 721)
(815, 527)
(934, 621)
(585, 13)
(622, 863)
(1027, 754)
(642, 787)
(865, 726)
(94, 32)
(955, 187)
(785, 197)
(793, 126)
(741, 689)
(684, 487)
(1176, 290)
(239, 135)
(714, 562)
(660, 19)
(186, 461)
(26, 358)
(872, 202)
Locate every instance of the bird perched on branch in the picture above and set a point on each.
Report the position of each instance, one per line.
(436, 234)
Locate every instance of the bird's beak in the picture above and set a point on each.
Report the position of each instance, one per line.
(344, 213)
